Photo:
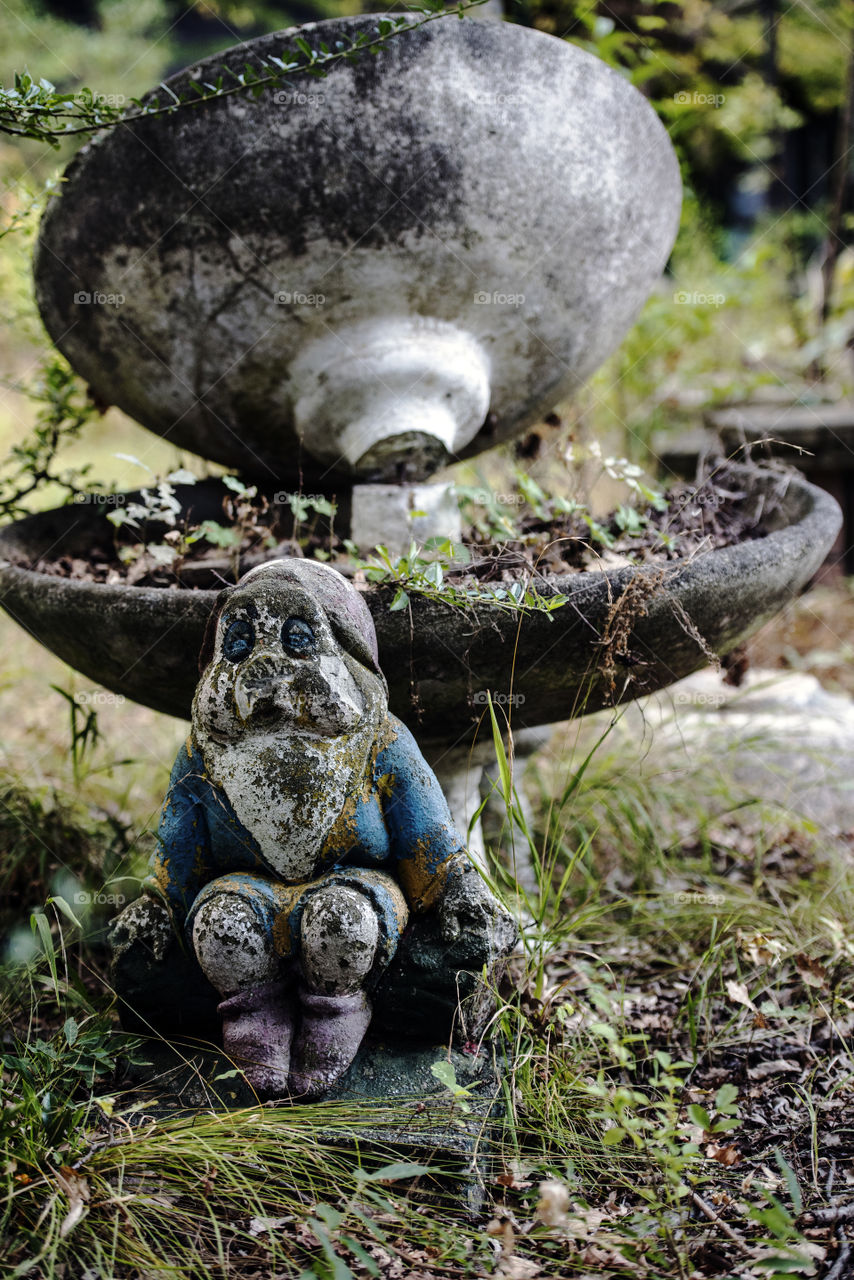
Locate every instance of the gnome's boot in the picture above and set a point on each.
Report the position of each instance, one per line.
(338, 935)
(257, 1030)
(328, 1040)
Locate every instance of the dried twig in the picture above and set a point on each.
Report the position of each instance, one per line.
(840, 1267)
(727, 1230)
(827, 1217)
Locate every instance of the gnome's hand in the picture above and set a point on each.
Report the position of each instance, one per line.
(470, 911)
(145, 922)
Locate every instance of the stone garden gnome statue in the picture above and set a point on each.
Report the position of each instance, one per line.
(302, 829)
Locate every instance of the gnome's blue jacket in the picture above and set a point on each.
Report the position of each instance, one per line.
(398, 823)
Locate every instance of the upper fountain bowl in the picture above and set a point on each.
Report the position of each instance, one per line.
(368, 274)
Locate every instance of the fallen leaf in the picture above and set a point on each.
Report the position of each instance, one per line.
(759, 948)
(728, 1155)
(774, 1067)
(583, 1223)
(513, 1268)
(552, 1204)
(76, 1188)
(737, 992)
(513, 1178)
(812, 972)
(257, 1226)
(503, 1228)
(306, 1237)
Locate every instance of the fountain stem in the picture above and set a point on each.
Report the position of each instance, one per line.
(393, 397)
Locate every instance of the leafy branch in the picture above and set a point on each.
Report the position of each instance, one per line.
(416, 574)
(34, 109)
(31, 463)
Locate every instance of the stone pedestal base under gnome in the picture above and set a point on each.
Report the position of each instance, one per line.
(306, 850)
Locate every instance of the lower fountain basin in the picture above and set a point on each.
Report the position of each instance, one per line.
(622, 633)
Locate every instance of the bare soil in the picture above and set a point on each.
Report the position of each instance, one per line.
(716, 512)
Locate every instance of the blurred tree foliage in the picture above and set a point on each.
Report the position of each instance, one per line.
(752, 91)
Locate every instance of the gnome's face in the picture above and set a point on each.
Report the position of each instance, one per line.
(278, 667)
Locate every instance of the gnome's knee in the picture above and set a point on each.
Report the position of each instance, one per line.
(232, 944)
(339, 937)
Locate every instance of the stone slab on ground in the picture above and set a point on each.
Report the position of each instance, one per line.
(787, 739)
(408, 1113)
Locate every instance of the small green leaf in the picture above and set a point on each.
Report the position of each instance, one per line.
(725, 1098)
(330, 1216)
(791, 1181)
(71, 1031)
(219, 535)
(162, 553)
(504, 773)
(445, 1072)
(60, 903)
(700, 1116)
(433, 573)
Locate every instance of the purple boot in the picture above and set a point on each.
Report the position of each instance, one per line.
(328, 1040)
(257, 1030)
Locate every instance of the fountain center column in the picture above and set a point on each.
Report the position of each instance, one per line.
(392, 398)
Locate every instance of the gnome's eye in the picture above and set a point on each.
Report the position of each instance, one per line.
(298, 637)
(239, 640)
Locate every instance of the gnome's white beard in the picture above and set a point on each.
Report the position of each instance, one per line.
(287, 792)
(288, 786)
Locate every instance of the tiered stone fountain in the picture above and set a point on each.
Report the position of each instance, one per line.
(341, 286)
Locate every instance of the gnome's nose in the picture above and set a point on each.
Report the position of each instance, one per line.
(257, 684)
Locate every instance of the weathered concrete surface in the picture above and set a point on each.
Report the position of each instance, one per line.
(787, 740)
(405, 1111)
(395, 515)
(232, 274)
(136, 641)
